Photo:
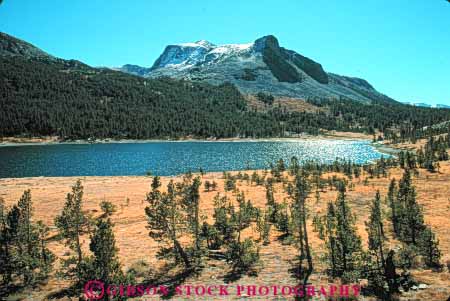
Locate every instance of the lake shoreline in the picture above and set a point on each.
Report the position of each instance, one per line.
(51, 140)
(380, 147)
(161, 157)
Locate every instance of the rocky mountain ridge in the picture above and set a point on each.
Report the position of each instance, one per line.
(261, 66)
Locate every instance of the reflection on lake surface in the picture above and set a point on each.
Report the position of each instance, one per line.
(170, 158)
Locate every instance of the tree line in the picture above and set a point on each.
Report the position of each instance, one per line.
(73, 101)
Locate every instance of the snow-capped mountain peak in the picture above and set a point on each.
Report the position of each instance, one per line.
(262, 65)
(205, 43)
(187, 55)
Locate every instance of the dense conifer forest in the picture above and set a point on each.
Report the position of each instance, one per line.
(74, 101)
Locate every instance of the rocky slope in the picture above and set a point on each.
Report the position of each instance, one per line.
(14, 48)
(254, 67)
(11, 46)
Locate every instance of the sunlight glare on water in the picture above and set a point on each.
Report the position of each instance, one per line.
(171, 158)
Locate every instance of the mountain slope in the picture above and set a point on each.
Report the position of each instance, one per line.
(45, 95)
(261, 66)
(11, 46)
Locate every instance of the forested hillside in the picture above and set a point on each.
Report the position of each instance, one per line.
(72, 100)
(42, 98)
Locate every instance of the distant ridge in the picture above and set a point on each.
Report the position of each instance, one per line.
(427, 105)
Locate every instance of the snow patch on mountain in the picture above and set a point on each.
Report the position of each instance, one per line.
(188, 55)
(260, 66)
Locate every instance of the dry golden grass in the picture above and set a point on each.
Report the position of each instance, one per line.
(45, 139)
(291, 104)
(135, 245)
(347, 135)
(420, 143)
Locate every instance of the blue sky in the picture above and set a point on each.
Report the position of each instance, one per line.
(402, 47)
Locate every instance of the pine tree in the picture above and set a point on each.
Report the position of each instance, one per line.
(230, 183)
(166, 222)
(104, 264)
(391, 199)
(213, 185)
(271, 205)
(294, 166)
(411, 222)
(283, 222)
(14, 244)
(348, 243)
(207, 185)
(221, 219)
(401, 159)
(429, 248)
(22, 252)
(331, 240)
(6, 263)
(72, 223)
(26, 237)
(46, 257)
(191, 205)
(378, 274)
(281, 167)
(410, 225)
(242, 254)
(299, 217)
(374, 227)
(263, 226)
(410, 160)
(108, 208)
(212, 237)
(420, 157)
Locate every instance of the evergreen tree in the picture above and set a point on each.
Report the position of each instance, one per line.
(281, 167)
(26, 236)
(429, 248)
(263, 226)
(191, 205)
(271, 205)
(212, 237)
(283, 222)
(379, 272)
(401, 159)
(411, 222)
(72, 223)
(207, 185)
(374, 227)
(221, 219)
(241, 254)
(166, 221)
(410, 225)
(23, 254)
(230, 183)
(213, 186)
(299, 217)
(331, 240)
(294, 166)
(104, 264)
(108, 208)
(46, 256)
(6, 261)
(391, 199)
(347, 243)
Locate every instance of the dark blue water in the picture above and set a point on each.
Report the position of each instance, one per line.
(169, 158)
